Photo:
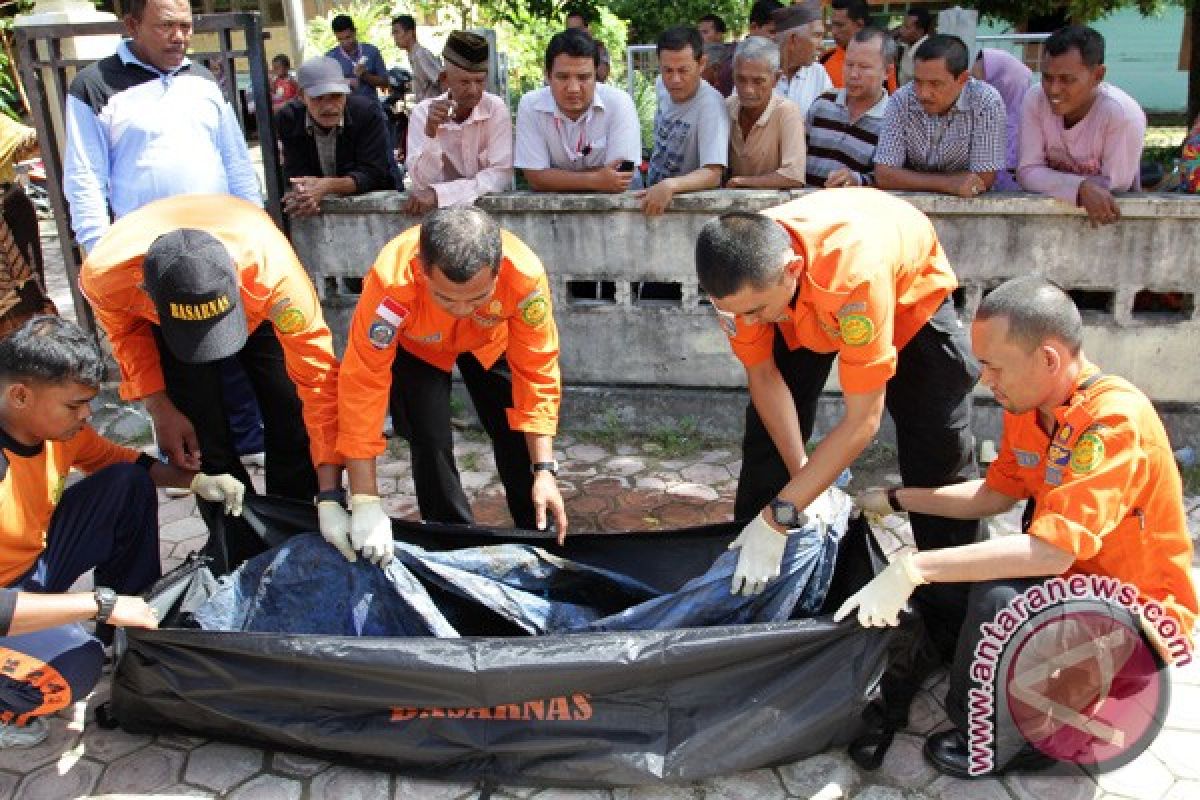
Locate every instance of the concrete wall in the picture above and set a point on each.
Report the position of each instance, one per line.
(615, 348)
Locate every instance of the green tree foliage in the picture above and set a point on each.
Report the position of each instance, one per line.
(372, 22)
(648, 19)
(1081, 11)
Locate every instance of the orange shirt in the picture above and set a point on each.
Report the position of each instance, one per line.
(273, 283)
(872, 275)
(32, 487)
(1107, 490)
(397, 309)
(835, 65)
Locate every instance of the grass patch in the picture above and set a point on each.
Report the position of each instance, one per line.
(679, 440)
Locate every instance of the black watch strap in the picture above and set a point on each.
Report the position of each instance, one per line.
(894, 500)
(337, 495)
(106, 601)
(545, 466)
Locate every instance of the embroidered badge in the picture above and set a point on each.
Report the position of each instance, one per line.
(856, 329)
(1088, 453)
(1026, 458)
(534, 308)
(852, 308)
(381, 333)
(429, 338)
(287, 317)
(1054, 476)
(389, 315)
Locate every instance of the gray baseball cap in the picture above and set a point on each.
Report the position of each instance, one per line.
(321, 75)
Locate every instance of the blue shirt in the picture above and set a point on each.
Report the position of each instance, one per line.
(136, 134)
(375, 66)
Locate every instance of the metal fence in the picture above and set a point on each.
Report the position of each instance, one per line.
(47, 73)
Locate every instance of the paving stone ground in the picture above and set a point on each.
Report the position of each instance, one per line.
(608, 488)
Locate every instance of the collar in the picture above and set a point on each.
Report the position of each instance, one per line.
(7, 442)
(963, 104)
(776, 100)
(478, 113)
(127, 57)
(876, 110)
(546, 103)
(1086, 379)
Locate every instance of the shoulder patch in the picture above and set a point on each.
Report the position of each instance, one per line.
(1087, 454)
(286, 317)
(534, 308)
(856, 329)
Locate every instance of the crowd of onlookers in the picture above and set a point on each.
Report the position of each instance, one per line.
(907, 109)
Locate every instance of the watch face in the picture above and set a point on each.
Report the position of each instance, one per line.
(785, 512)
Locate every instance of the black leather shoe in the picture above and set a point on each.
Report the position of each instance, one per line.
(950, 754)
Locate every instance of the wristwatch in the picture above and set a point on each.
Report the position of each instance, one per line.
(785, 514)
(544, 466)
(106, 601)
(337, 495)
(894, 500)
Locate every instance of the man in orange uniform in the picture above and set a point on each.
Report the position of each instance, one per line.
(185, 282)
(456, 290)
(1105, 498)
(50, 533)
(856, 275)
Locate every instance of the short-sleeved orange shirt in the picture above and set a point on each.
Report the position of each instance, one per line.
(873, 273)
(274, 286)
(396, 309)
(1106, 489)
(31, 488)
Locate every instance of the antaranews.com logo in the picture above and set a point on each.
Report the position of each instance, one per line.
(1080, 681)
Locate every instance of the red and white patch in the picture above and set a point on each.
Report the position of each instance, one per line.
(391, 312)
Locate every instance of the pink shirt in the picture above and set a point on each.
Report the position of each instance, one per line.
(1105, 146)
(464, 160)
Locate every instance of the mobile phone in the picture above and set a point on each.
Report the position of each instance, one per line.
(625, 166)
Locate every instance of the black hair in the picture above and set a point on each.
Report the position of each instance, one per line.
(1036, 310)
(681, 37)
(855, 9)
(950, 49)
(282, 59)
(1087, 41)
(760, 12)
(51, 350)
(573, 42)
(923, 18)
(887, 45)
(460, 241)
(342, 22)
(134, 8)
(718, 23)
(739, 249)
(405, 21)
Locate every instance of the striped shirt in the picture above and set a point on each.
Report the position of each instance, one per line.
(835, 142)
(970, 137)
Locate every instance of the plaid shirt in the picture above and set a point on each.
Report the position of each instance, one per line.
(970, 137)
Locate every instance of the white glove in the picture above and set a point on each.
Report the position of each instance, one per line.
(334, 522)
(370, 529)
(220, 489)
(874, 501)
(762, 553)
(880, 601)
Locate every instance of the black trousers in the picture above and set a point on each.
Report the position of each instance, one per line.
(929, 399)
(420, 408)
(196, 390)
